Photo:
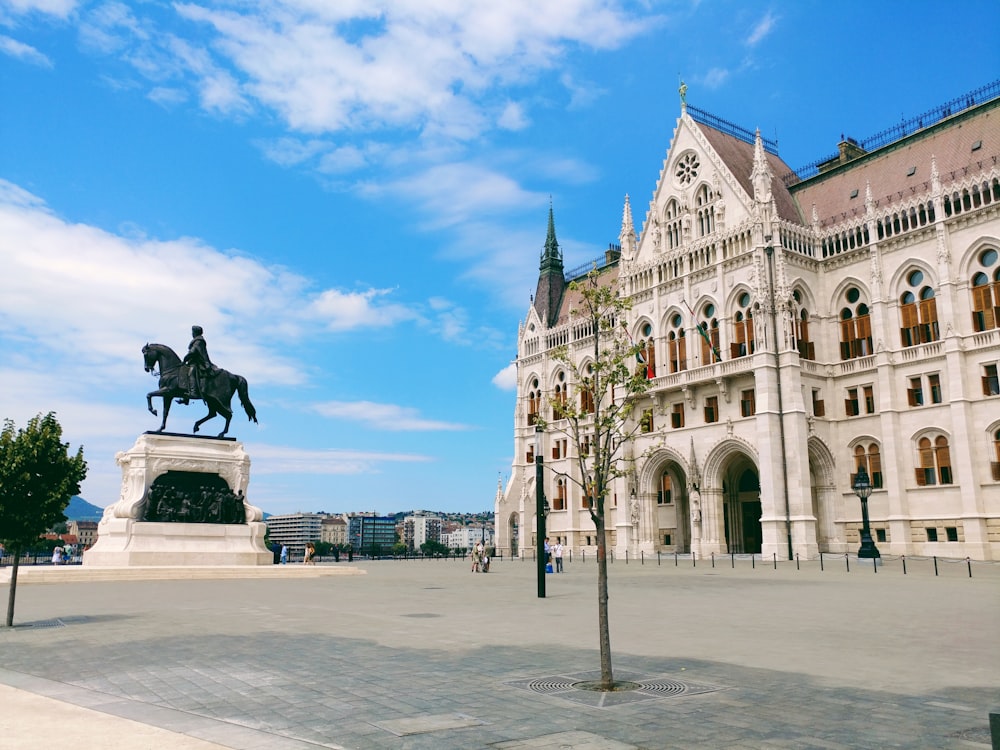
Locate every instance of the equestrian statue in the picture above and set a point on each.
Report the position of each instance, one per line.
(194, 377)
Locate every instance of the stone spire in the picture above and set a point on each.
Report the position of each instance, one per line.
(761, 175)
(551, 278)
(627, 238)
(694, 474)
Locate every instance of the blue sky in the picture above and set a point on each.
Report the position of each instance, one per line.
(351, 196)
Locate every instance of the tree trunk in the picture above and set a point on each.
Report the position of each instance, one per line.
(13, 586)
(607, 677)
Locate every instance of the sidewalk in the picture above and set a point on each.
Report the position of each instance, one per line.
(425, 654)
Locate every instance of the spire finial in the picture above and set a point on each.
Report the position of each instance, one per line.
(682, 90)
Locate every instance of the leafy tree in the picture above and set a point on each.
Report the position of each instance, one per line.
(38, 476)
(323, 549)
(432, 547)
(600, 416)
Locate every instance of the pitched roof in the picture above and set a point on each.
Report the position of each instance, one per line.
(737, 155)
(888, 169)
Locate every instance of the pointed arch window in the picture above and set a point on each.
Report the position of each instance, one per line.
(709, 336)
(559, 501)
(995, 463)
(672, 224)
(918, 312)
(855, 327)
(705, 210)
(805, 346)
(743, 340)
(986, 292)
(534, 402)
(677, 344)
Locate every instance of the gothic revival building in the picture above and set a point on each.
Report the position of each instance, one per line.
(800, 325)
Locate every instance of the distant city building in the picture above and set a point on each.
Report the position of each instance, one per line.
(418, 529)
(85, 532)
(295, 529)
(467, 537)
(372, 534)
(333, 530)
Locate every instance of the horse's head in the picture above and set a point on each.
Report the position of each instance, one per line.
(149, 358)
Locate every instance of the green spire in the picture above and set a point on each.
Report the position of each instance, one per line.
(551, 256)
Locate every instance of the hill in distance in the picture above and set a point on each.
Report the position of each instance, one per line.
(80, 510)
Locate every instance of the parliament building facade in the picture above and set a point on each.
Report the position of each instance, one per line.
(797, 325)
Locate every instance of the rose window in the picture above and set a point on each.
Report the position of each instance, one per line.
(687, 168)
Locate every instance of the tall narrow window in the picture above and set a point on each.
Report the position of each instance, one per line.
(915, 393)
(995, 463)
(743, 341)
(925, 471)
(806, 348)
(851, 407)
(534, 401)
(934, 385)
(855, 327)
(663, 494)
(676, 345)
(748, 403)
(677, 416)
(712, 409)
(869, 458)
(646, 423)
(709, 336)
(918, 312)
(559, 502)
(991, 383)
(819, 407)
(942, 457)
(869, 394)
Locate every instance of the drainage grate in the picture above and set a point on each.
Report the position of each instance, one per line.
(578, 687)
(40, 624)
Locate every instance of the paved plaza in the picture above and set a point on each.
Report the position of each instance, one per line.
(426, 655)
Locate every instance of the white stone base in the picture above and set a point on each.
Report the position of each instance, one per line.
(124, 540)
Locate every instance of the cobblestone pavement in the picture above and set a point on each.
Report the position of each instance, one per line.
(422, 655)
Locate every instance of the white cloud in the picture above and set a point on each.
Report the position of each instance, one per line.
(289, 152)
(761, 29)
(506, 379)
(167, 96)
(715, 77)
(384, 416)
(88, 295)
(23, 52)
(59, 8)
(513, 117)
(341, 311)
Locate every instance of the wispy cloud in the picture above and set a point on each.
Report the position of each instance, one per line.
(274, 459)
(58, 8)
(506, 379)
(388, 417)
(761, 29)
(24, 52)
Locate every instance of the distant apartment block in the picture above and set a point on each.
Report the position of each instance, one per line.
(295, 529)
(420, 529)
(84, 531)
(468, 537)
(333, 530)
(372, 534)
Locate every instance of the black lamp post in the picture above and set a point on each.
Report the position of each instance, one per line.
(539, 512)
(863, 489)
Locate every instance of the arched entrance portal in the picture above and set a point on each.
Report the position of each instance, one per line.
(741, 507)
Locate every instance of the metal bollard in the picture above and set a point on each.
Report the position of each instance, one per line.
(657, 557)
(797, 561)
(626, 557)
(732, 559)
(713, 559)
(903, 557)
(753, 560)
(675, 558)
(775, 556)
(821, 561)
(968, 562)
(694, 561)
(847, 559)
(935, 565)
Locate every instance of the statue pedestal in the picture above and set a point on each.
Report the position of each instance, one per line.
(132, 533)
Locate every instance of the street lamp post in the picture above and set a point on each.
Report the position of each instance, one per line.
(863, 489)
(539, 512)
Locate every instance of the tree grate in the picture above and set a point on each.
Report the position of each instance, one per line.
(578, 687)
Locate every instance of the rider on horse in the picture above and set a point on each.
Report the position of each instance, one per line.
(200, 367)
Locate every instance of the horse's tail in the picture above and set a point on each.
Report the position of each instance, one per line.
(241, 389)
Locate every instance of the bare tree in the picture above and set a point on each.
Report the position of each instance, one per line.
(608, 377)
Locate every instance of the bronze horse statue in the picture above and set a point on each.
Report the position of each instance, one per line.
(217, 387)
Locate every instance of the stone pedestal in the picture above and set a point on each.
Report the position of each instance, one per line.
(124, 539)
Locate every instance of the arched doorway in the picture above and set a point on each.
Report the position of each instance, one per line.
(741, 507)
(665, 504)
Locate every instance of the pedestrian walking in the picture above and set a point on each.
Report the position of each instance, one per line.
(557, 553)
(284, 554)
